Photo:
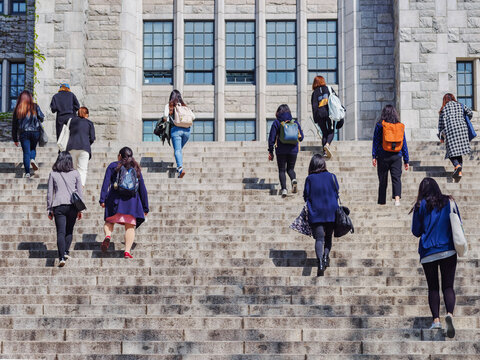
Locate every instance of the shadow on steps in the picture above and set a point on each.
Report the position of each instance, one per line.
(259, 184)
(158, 166)
(293, 258)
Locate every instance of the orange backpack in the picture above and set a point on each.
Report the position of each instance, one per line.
(393, 136)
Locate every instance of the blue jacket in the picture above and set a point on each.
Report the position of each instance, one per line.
(280, 147)
(321, 196)
(377, 148)
(433, 228)
(115, 203)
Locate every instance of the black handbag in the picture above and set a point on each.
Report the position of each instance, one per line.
(75, 199)
(343, 223)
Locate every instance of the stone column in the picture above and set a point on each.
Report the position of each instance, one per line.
(261, 68)
(179, 30)
(476, 84)
(3, 89)
(302, 59)
(220, 70)
(6, 7)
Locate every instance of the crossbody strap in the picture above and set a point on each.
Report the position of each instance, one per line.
(68, 189)
(336, 188)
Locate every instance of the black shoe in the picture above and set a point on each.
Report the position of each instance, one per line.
(450, 328)
(326, 261)
(321, 268)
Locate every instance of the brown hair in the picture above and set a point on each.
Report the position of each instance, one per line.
(446, 99)
(83, 112)
(25, 105)
(128, 160)
(318, 81)
(175, 99)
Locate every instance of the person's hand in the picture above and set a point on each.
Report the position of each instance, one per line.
(442, 141)
(270, 157)
(79, 216)
(50, 216)
(406, 167)
(145, 214)
(16, 143)
(164, 118)
(374, 162)
(102, 205)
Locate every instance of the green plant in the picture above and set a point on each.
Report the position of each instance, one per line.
(38, 56)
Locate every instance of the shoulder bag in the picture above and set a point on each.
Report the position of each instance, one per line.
(64, 136)
(458, 233)
(471, 131)
(75, 199)
(301, 223)
(343, 223)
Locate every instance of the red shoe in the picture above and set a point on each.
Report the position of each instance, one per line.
(105, 244)
(127, 255)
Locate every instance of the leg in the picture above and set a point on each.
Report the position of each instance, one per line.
(185, 136)
(330, 132)
(382, 171)
(60, 224)
(291, 160)
(34, 137)
(324, 129)
(396, 175)
(328, 237)
(448, 267)
(129, 236)
(25, 141)
(318, 232)
(177, 146)
(431, 273)
(82, 165)
(108, 229)
(282, 164)
(71, 217)
(456, 160)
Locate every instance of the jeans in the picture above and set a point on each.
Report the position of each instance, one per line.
(29, 141)
(65, 218)
(448, 267)
(179, 137)
(80, 162)
(457, 160)
(328, 132)
(322, 233)
(392, 163)
(286, 162)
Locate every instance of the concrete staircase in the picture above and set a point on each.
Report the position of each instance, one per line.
(217, 273)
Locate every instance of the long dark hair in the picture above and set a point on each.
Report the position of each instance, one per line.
(64, 162)
(25, 105)
(446, 99)
(128, 161)
(431, 193)
(317, 165)
(389, 114)
(175, 98)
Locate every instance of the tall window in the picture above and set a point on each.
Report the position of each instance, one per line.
(199, 52)
(465, 83)
(158, 52)
(203, 130)
(18, 6)
(281, 52)
(1, 83)
(148, 127)
(322, 50)
(240, 52)
(240, 130)
(1, 7)
(17, 82)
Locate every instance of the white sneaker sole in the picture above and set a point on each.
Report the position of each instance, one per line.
(34, 165)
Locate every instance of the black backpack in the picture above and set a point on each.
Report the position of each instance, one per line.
(126, 182)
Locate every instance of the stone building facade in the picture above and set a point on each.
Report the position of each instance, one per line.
(402, 52)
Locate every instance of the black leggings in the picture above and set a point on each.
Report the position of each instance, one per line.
(447, 270)
(322, 233)
(65, 218)
(286, 162)
(456, 160)
(328, 132)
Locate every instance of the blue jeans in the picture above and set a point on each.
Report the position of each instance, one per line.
(179, 137)
(29, 141)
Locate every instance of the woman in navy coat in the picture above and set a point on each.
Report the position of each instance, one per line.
(129, 211)
(321, 197)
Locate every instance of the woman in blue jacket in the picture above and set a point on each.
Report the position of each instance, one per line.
(126, 210)
(321, 197)
(431, 223)
(286, 152)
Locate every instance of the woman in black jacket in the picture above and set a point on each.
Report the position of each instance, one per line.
(65, 104)
(26, 128)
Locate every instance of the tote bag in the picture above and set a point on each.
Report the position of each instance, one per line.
(458, 233)
(62, 141)
(301, 223)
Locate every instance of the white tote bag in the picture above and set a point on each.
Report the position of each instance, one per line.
(62, 141)
(459, 239)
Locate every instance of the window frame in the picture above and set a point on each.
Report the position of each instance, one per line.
(239, 72)
(11, 5)
(165, 73)
(187, 71)
(465, 85)
(10, 86)
(281, 47)
(155, 138)
(194, 135)
(249, 121)
(318, 70)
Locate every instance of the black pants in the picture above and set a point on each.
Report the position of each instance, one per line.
(328, 132)
(456, 160)
(65, 218)
(447, 270)
(392, 163)
(286, 162)
(322, 233)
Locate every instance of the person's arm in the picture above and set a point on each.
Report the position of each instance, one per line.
(142, 191)
(273, 136)
(166, 111)
(314, 101)
(15, 129)
(468, 112)
(78, 185)
(50, 193)
(377, 137)
(300, 131)
(441, 125)
(417, 222)
(76, 104)
(306, 189)
(106, 184)
(92, 133)
(40, 115)
(406, 158)
(53, 105)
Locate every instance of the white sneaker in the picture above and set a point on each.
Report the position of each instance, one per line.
(397, 202)
(67, 257)
(294, 186)
(284, 193)
(34, 164)
(26, 176)
(328, 153)
(435, 325)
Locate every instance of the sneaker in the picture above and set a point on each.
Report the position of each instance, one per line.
(181, 173)
(328, 153)
(127, 255)
(34, 164)
(450, 329)
(61, 263)
(397, 202)
(294, 186)
(67, 257)
(284, 193)
(457, 173)
(26, 175)
(105, 244)
(435, 325)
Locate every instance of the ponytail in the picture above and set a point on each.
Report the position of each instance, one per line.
(128, 161)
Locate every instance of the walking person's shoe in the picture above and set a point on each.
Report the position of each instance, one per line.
(34, 164)
(294, 186)
(67, 257)
(26, 175)
(435, 325)
(397, 202)
(327, 151)
(105, 244)
(326, 261)
(457, 173)
(61, 263)
(321, 268)
(181, 172)
(127, 255)
(284, 193)
(450, 328)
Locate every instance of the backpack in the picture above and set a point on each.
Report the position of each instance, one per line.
(393, 136)
(126, 182)
(183, 116)
(288, 132)
(336, 111)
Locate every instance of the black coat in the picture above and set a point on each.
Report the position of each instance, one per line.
(65, 104)
(320, 114)
(82, 135)
(29, 123)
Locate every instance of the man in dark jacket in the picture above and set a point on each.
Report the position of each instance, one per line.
(65, 104)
